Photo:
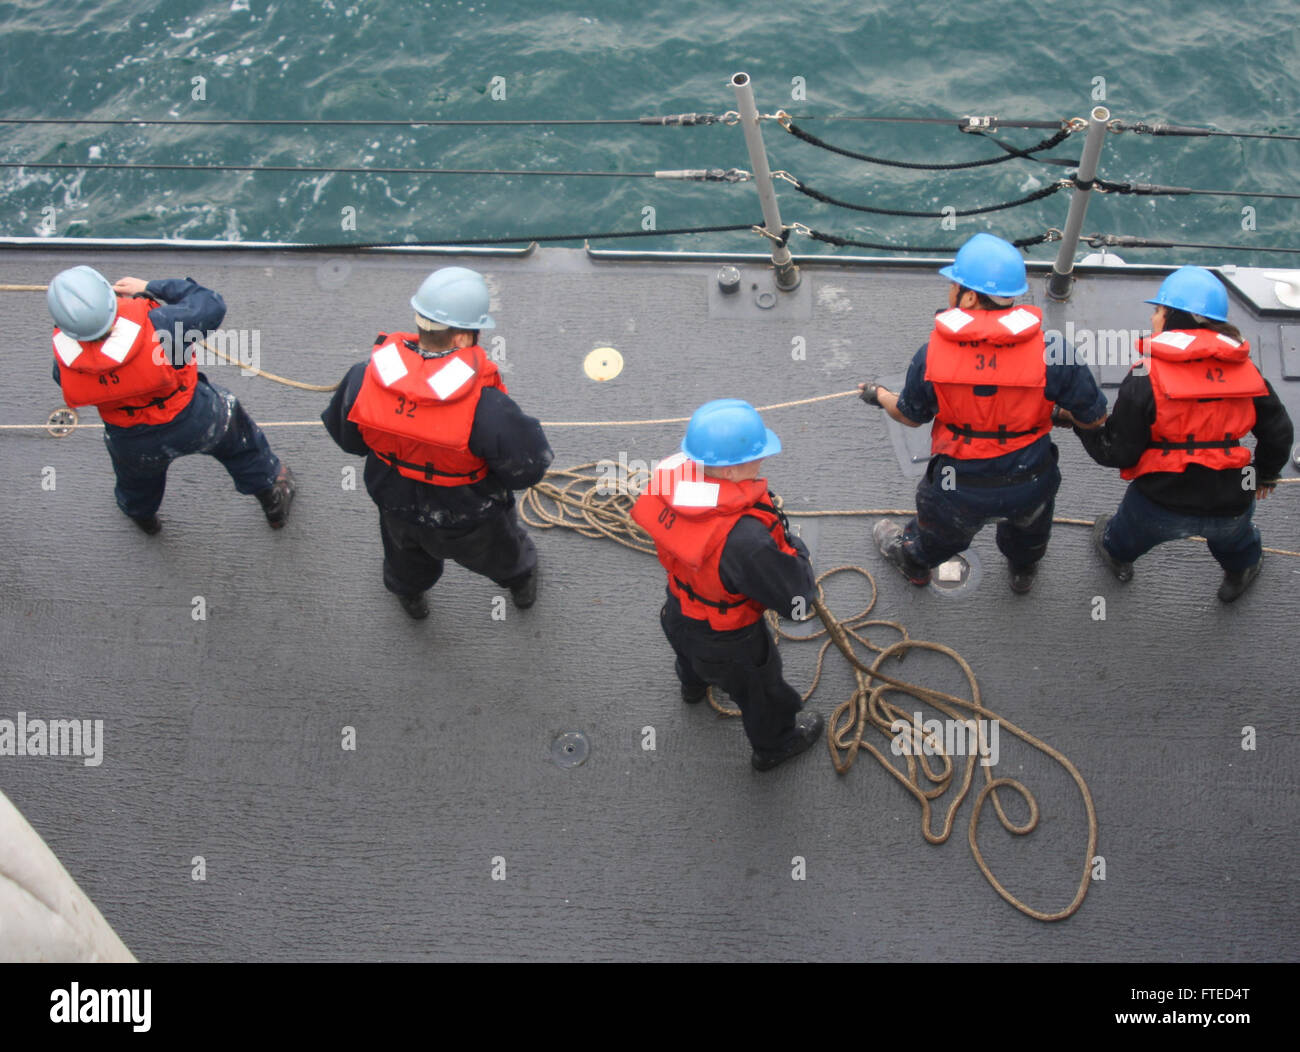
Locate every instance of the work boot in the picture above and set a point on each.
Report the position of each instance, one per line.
(1122, 571)
(1022, 578)
(694, 695)
(808, 728)
(889, 539)
(416, 606)
(524, 594)
(275, 500)
(151, 524)
(1236, 583)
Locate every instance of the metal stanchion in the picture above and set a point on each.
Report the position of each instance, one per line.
(787, 274)
(1058, 285)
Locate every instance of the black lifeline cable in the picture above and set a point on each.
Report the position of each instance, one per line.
(315, 169)
(817, 195)
(1151, 189)
(1142, 128)
(967, 123)
(946, 250)
(345, 246)
(674, 120)
(1011, 152)
(1129, 241)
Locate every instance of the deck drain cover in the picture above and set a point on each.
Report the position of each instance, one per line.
(61, 422)
(604, 363)
(570, 749)
(333, 274)
(957, 576)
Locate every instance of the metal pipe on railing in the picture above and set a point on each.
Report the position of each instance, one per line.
(787, 274)
(1058, 285)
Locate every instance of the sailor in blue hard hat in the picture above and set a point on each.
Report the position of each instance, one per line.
(729, 556)
(129, 349)
(1175, 433)
(445, 446)
(985, 380)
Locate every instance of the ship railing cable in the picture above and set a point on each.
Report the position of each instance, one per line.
(1129, 241)
(1049, 235)
(342, 246)
(1106, 186)
(671, 120)
(715, 175)
(989, 123)
(968, 123)
(817, 195)
(1143, 128)
(1011, 152)
(360, 246)
(707, 175)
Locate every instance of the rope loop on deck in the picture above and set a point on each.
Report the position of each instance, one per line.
(595, 499)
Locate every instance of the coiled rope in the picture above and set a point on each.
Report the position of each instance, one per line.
(595, 499)
(585, 501)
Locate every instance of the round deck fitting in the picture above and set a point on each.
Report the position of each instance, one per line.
(333, 274)
(604, 363)
(61, 422)
(958, 576)
(570, 749)
(729, 280)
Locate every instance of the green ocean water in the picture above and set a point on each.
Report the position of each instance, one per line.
(1229, 66)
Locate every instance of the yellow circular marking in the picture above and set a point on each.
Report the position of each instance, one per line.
(604, 363)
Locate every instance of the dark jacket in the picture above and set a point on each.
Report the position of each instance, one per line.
(1126, 435)
(512, 443)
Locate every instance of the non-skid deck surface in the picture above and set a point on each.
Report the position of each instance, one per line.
(223, 736)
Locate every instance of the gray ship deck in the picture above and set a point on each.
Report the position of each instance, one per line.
(222, 737)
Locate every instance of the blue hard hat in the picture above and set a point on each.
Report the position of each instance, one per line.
(82, 303)
(989, 265)
(1195, 290)
(728, 431)
(454, 296)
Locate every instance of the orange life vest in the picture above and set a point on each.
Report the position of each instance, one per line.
(1204, 385)
(416, 413)
(989, 371)
(689, 517)
(126, 375)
